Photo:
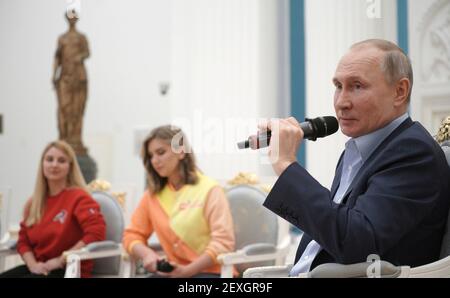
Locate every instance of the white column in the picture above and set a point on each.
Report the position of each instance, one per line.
(331, 28)
(225, 74)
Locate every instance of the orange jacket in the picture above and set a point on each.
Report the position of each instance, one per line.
(150, 216)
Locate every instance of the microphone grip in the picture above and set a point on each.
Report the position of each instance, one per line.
(312, 129)
(256, 142)
(309, 131)
(263, 139)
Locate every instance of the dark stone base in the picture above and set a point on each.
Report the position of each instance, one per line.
(88, 167)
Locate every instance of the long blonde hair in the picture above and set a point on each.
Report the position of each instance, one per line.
(34, 209)
(188, 168)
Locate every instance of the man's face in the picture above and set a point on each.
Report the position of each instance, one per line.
(363, 100)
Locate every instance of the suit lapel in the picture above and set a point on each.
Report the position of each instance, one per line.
(337, 177)
(366, 166)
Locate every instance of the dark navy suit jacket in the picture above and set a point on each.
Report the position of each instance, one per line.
(396, 206)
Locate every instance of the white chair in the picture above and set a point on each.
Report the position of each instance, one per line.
(7, 238)
(376, 268)
(4, 201)
(109, 258)
(262, 238)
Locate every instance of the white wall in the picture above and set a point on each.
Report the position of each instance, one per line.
(226, 74)
(130, 53)
(429, 38)
(331, 28)
(226, 62)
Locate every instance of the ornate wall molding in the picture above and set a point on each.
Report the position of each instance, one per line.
(434, 30)
(435, 108)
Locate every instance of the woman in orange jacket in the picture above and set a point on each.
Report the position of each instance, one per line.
(187, 210)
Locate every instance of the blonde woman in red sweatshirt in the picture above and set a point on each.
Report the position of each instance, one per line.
(59, 216)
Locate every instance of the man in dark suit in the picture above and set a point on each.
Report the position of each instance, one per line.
(390, 195)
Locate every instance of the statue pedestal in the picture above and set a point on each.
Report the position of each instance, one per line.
(88, 167)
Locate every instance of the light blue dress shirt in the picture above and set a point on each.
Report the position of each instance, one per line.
(357, 151)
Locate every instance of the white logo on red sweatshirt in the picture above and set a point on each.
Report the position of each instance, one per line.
(61, 216)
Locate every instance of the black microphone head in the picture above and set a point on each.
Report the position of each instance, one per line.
(325, 126)
(243, 144)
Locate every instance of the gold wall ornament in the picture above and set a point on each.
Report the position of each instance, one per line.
(266, 187)
(249, 179)
(105, 186)
(444, 131)
(244, 178)
(99, 185)
(120, 197)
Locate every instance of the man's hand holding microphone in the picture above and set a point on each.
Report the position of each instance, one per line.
(284, 137)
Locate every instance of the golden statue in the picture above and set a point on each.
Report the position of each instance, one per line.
(70, 81)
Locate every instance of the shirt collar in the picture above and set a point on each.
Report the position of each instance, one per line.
(366, 144)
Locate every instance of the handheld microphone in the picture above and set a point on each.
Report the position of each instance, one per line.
(312, 128)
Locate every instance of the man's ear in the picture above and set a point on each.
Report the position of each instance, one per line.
(401, 92)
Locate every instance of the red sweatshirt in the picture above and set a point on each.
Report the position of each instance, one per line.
(70, 216)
